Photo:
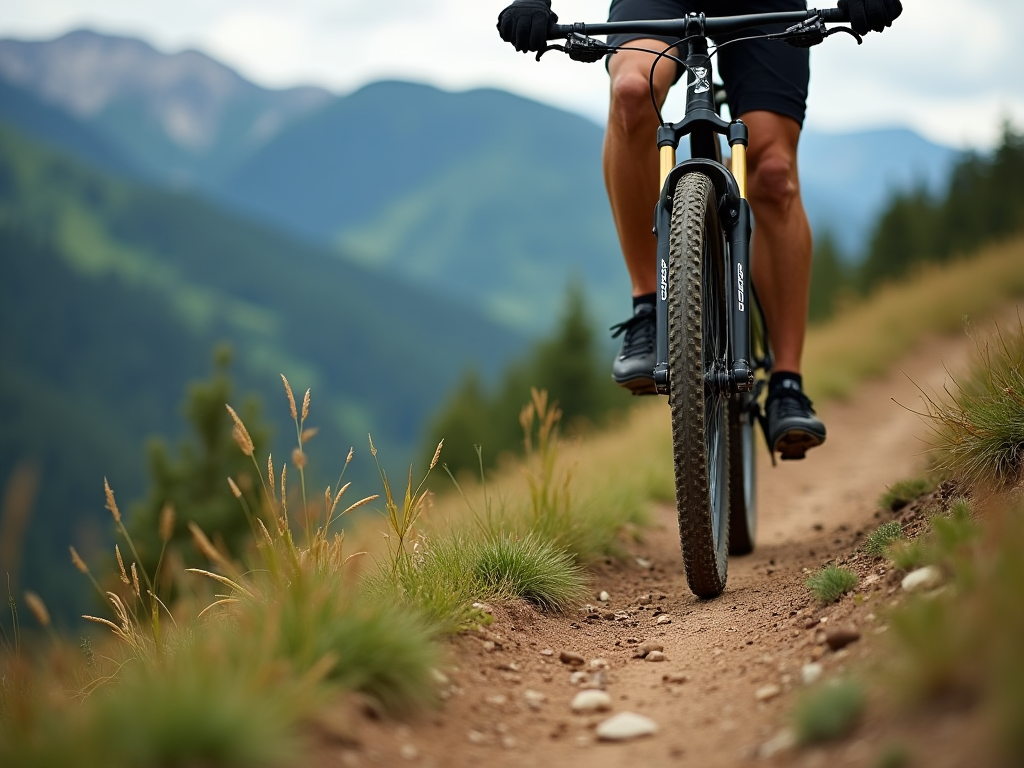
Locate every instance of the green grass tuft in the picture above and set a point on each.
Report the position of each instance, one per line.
(831, 583)
(908, 555)
(979, 430)
(894, 756)
(901, 493)
(880, 540)
(529, 568)
(830, 712)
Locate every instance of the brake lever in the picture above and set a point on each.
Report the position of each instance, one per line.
(580, 47)
(811, 32)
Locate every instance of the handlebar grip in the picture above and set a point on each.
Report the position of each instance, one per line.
(836, 15)
(558, 31)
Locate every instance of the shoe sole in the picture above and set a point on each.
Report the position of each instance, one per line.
(793, 445)
(638, 385)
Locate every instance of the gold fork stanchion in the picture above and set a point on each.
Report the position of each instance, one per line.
(668, 162)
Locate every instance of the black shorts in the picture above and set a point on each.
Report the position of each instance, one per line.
(758, 74)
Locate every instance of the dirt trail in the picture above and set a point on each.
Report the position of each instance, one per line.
(755, 635)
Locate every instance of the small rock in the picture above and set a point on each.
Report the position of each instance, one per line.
(578, 677)
(509, 742)
(497, 700)
(484, 607)
(599, 663)
(604, 597)
(598, 680)
(677, 678)
(871, 578)
(547, 652)
(476, 737)
(649, 646)
(767, 692)
(643, 562)
(625, 726)
(534, 699)
(840, 637)
(663, 619)
(783, 741)
(922, 579)
(489, 645)
(409, 751)
(811, 623)
(655, 656)
(644, 600)
(591, 701)
(439, 677)
(572, 659)
(810, 673)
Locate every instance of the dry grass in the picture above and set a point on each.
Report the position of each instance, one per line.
(866, 339)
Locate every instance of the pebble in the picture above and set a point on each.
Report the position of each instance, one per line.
(439, 677)
(578, 677)
(675, 677)
(663, 619)
(649, 646)
(811, 673)
(925, 578)
(509, 742)
(644, 599)
(625, 726)
(591, 701)
(534, 699)
(643, 562)
(573, 659)
(767, 692)
(547, 652)
(476, 737)
(409, 751)
(783, 741)
(840, 637)
(497, 700)
(599, 664)
(604, 597)
(655, 656)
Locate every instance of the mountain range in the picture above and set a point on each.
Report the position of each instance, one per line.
(480, 196)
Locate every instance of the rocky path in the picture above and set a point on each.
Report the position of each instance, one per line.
(725, 672)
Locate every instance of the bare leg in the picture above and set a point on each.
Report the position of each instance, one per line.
(631, 157)
(781, 250)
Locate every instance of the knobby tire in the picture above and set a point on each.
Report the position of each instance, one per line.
(698, 355)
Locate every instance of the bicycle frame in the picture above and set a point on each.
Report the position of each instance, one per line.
(703, 125)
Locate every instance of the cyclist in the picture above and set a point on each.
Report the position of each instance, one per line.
(766, 86)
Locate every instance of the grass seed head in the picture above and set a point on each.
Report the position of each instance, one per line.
(308, 434)
(38, 608)
(111, 503)
(204, 545)
(240, 433)
(78, 562)
(305, 405)
(120, 564)
(270, 474)
(167, 522)
(298, 458)
(291, 397)
(135, 581)
(235, 490)
(437, 455)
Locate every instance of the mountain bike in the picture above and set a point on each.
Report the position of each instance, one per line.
(713, 357)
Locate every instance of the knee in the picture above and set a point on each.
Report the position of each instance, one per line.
(773, 181)
(631, 110)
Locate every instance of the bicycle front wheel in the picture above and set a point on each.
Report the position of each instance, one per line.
(698, 376)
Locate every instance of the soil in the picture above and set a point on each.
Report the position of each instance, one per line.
(732, 672)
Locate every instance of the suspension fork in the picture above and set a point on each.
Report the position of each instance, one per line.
(734, 212)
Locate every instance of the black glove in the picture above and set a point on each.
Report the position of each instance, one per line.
(868, 15)
(525, 24)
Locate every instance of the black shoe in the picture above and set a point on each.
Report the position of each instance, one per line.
(634, 366)
(792, 426)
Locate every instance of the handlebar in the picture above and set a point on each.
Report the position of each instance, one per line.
(712, 26)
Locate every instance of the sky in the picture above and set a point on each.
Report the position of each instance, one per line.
(949, 69)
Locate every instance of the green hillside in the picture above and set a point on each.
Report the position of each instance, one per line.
(481, 195)
(114, 296)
